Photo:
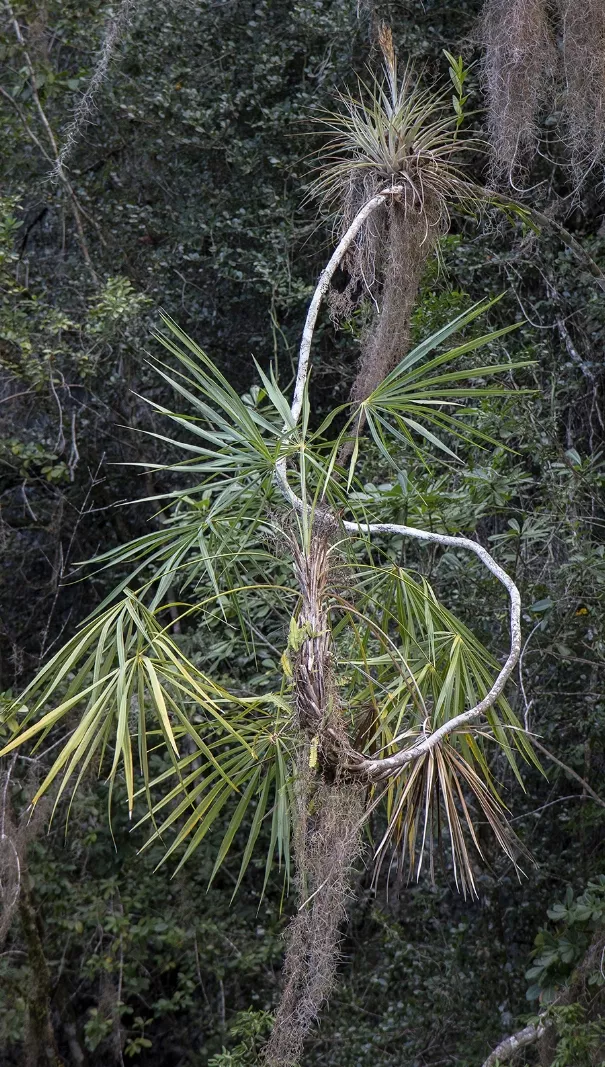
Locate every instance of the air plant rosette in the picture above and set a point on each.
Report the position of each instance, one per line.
(395, 138)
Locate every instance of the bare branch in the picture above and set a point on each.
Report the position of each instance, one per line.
(54, 148)
(382, 768)
(376, 769)
(322, 287)
(527, 703)
(572, 243)
(30, 133)
(570, 771)
(115, 29)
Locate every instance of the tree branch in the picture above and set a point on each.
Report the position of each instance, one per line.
(389, 765)
(60, 170)
(115, 28)
(570, 771)
(572, 243)
(507, 1048)
(30, 133)
(322, 287)
(376, 769)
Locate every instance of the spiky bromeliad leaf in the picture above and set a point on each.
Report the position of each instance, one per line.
(393, 130)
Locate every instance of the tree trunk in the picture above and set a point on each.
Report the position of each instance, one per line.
(41, 1044)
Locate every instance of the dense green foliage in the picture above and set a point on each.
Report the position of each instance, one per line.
(191, 178)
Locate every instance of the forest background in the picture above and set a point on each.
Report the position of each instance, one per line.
(187, 192)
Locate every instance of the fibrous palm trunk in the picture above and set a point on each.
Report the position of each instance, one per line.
(326, 837)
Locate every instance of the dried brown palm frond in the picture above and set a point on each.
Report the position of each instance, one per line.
(520, 59)
(416, 666)
(443, 791)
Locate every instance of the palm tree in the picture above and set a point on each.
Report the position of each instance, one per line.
(383, 698)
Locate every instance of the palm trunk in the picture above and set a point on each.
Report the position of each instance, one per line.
(326, 837)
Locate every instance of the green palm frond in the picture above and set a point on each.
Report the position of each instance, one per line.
(410, 658)
(209, 542)
(132, 687)
(260, 790)
(407, 665)
(239, 439)
(123, 688)
(419, 402)
(212, 531)
(215, 529)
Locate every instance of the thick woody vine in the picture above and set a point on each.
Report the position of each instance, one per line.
(377, 769)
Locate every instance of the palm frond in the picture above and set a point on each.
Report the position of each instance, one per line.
(421, 658)
(260, 779)
(123, 688)
(131, 685)
(420, 402)
(205, 543)
(406, 665)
